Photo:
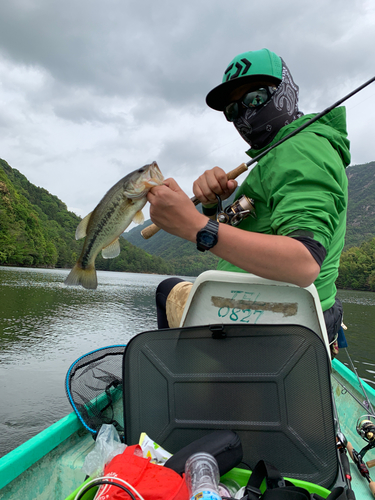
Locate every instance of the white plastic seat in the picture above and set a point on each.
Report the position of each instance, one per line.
(242, 298)
(250, 355)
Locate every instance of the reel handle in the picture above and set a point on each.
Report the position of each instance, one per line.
(371, 484)
(149, 231)
(370, 463)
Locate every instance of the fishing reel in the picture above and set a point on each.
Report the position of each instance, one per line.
(237, 212)
(366, 428)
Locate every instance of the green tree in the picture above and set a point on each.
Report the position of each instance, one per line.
(357, 267)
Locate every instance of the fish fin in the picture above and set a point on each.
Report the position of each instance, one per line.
(112, 250)
(81, 230)
(138, 217)
(85, 277)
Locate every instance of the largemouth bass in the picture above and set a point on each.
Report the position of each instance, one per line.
(102, 227)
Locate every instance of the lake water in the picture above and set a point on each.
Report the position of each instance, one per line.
(45, 327)
(359, 317)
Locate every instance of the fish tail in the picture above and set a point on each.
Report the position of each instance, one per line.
(85, 277)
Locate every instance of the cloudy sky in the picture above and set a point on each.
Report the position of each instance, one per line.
(93, 89)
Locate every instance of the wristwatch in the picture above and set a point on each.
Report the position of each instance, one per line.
(207, 236)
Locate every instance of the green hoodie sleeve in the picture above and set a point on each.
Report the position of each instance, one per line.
(304, 185)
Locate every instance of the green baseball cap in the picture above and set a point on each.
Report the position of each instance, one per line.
(250, 68)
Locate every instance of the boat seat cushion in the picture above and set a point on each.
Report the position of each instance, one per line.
(268, 383)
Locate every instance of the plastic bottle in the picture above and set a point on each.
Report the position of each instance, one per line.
(228, 488)
(202, 477)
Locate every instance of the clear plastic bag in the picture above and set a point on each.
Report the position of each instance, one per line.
(107, 446)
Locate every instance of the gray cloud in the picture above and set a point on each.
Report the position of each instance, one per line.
(90, 90)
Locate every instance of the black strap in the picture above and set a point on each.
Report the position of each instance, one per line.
(277, 487)
(280, 489)
(287, 493)
(266, 470)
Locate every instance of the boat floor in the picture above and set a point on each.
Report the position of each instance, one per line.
(65, 445)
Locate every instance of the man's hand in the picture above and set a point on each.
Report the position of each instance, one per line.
(213, 182)
(172, 210)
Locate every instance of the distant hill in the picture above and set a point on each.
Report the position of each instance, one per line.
(180, 254)
(360, 224)
(357, 267)
(37, 230)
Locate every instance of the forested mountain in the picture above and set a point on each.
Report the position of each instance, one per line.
(360, 222)
(357, 263)
(360, 225)
(357, 267)
(180, 254)
(36, 229)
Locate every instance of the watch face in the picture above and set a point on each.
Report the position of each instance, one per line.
(208, 238)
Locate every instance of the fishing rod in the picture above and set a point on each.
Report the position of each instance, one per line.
(341, 444)
(361, 466)
(349, 392)
(233, 174)
(360, 383)
(366, 429)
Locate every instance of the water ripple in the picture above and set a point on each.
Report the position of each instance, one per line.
(45, 326)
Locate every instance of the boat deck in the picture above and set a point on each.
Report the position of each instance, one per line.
(50, 464)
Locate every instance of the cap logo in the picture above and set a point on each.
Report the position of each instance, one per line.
(241, 68)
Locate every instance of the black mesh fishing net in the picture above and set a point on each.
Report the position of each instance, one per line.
(94, 388)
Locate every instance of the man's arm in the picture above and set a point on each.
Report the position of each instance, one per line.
(270, 256)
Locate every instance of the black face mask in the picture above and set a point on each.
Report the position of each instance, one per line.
(259, 126)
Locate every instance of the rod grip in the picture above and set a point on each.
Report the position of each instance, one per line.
(233, 174)
(371, 485)
(349, 447)
(149, 231)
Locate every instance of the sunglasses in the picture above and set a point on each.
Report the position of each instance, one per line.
(251, 100)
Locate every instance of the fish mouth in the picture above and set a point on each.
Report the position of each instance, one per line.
(151, 183)
(150, 178)
(156, 177)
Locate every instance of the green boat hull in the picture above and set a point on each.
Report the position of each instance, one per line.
(49, 466)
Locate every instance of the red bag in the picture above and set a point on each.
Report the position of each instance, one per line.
(152, 481)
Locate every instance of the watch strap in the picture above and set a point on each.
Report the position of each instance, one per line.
(210, 229)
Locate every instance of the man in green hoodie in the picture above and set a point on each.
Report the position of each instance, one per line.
(299, 188)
